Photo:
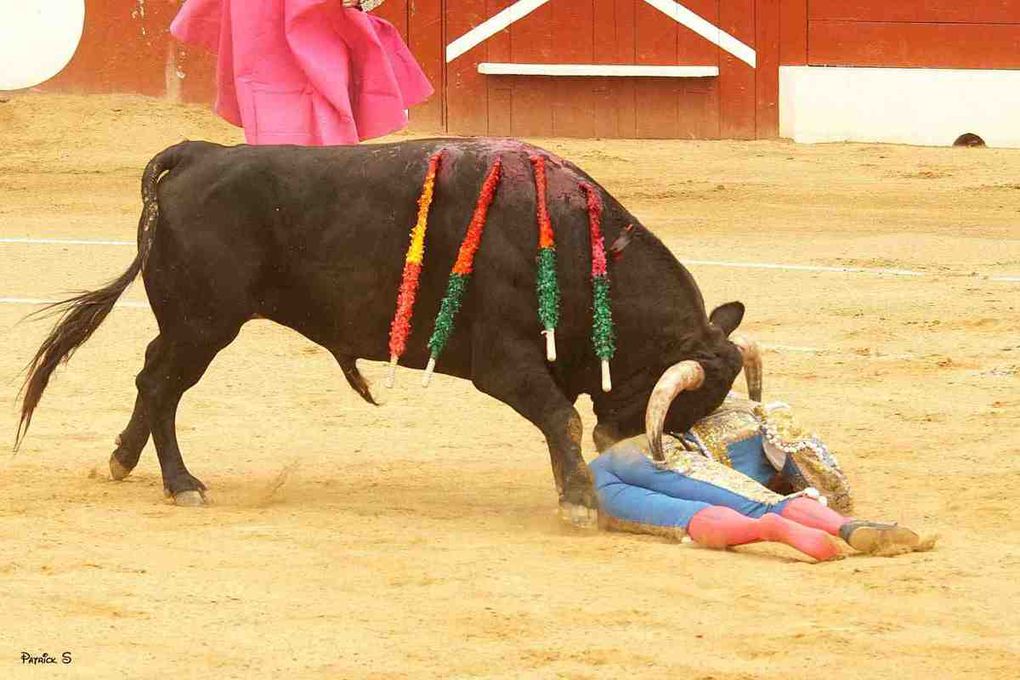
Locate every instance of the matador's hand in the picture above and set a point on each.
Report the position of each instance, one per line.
(352, 3)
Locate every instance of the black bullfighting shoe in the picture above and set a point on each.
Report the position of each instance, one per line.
(878, 538)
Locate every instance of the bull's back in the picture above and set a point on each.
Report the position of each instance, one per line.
(319, 235)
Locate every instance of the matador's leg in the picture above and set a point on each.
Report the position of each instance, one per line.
(635, 494)
(867, 537)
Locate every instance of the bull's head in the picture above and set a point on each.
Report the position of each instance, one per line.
(689, 376)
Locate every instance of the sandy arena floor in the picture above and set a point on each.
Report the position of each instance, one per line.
(419, 539)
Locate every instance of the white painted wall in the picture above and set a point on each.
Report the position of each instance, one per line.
(924, 106)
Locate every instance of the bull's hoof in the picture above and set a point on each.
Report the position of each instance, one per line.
(186, 490)
(117, 470)
(579, 516)
(189, 499)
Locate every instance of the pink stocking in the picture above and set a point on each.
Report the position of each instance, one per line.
(811, 513)
(721, 527)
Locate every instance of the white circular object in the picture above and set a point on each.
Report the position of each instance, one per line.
(37, 39)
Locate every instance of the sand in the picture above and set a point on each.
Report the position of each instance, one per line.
(419, 539)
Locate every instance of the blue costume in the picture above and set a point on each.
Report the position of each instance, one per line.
(728, 459)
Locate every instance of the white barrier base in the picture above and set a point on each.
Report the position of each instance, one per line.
(923, 106)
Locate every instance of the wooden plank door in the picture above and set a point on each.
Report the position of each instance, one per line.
(740, 102)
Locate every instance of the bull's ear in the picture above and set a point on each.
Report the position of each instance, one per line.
(728, 316)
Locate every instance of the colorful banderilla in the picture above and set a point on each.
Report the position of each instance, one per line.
(602, 331)
(400, 328)
(546, 283)
(461, 272)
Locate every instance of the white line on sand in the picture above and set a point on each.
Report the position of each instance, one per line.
(804, 267)
(782, 349)
(880, 271)
(65, 242)
(799, 349)
(132, 304)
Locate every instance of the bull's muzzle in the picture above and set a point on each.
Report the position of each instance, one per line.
(689, 375)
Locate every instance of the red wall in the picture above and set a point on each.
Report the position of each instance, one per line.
(741, 102)
(126, 48)
(903, 33)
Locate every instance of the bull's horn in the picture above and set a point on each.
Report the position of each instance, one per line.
(751, 353)
(686, 375)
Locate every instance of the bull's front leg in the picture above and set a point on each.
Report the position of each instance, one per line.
(516, 374)
(577, 499)
(605, 435)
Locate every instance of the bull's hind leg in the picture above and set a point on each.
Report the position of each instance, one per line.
(130, 443)
(519, 378)
(172, 366)
(134, 437)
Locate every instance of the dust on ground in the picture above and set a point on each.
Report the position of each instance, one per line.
(419, 539)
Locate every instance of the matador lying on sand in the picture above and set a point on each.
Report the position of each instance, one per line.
(745, 473)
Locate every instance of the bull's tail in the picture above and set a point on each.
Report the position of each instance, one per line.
(82, 314)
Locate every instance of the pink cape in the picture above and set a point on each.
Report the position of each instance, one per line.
(306, 72)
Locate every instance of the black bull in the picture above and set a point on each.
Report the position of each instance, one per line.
(314, 239)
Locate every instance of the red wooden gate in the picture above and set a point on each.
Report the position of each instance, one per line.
(511, 67)
(732, 93)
